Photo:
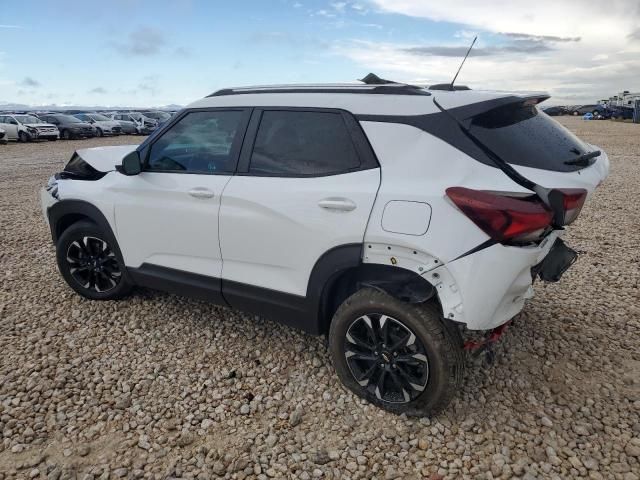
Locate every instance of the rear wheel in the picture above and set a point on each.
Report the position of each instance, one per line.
(66, 134)
(90, 263)
(398, 356)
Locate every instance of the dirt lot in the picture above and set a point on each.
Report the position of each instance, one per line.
(158, 386)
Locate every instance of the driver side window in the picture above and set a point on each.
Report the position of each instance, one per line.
(199, 143)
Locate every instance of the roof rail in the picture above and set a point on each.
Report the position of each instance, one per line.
(383, 89)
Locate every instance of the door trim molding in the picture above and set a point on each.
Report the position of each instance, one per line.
(308, 313)
(179, 282)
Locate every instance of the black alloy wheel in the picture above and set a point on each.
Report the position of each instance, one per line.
(405, 358)
(386, 358)
(90, 262)
(93, 264)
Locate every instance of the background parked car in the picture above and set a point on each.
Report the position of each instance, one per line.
(623, 113)
(158, 116)
(3, 136)
(142, 118)
(554, 111)
(130, 125)
(102, 124)
(69, 126)
(27, 127)
(594, 109)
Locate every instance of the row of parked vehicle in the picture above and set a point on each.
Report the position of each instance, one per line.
(26, 127)
(600, 112)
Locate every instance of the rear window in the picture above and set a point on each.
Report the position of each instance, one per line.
(523, 135)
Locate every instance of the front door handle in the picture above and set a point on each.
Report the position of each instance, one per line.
(200, 192)
(337, 203)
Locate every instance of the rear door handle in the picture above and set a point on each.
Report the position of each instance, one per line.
(337, 203)
(201, 192)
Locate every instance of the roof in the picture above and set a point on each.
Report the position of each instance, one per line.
(380, 98)
(374, 89)
(357, 98)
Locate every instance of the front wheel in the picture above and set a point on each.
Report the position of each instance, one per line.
(398, 356)
(23, 137)
(91, 264)
(99, 133)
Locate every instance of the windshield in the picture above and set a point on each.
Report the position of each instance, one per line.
(158, 115)
(99, 118)
(27, 119)
(523, 135)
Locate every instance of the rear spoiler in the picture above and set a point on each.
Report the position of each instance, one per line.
(552, 198)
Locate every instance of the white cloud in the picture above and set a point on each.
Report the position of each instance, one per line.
(565, 18)
(578, 50)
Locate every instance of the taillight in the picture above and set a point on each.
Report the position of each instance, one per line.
(502, 218)
(572, 202)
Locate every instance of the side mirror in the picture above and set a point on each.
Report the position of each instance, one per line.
(131, 164)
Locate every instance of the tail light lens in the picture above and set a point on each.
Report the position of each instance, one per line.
(504, 219)
(572, 202)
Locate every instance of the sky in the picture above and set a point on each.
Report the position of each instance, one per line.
(155, 53)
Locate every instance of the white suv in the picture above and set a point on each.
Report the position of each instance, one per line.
(391, 217)
(25, 128)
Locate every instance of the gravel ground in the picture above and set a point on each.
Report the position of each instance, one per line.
(159, 386)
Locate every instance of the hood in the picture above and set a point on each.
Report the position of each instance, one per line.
(105, 159)
(40, 125)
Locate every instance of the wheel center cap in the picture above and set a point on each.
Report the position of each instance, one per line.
(386, 357)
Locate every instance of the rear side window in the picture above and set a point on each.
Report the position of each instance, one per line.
(522, 135)
(298, 143)
(199, 143)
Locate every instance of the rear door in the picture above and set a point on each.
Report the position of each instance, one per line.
(306, 183)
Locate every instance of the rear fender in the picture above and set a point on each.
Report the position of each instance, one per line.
(426, 266)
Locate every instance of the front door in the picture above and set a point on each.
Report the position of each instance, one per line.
(167, 216)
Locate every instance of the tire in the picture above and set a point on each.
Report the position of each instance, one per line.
(66, 134)
(91, 269)
(99, 132)
(429, 342)
(23, 137)
(52, 139)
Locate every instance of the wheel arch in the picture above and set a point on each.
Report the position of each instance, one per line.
(340, 272)
(65, 213)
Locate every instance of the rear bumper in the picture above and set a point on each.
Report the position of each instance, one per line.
(489, 287)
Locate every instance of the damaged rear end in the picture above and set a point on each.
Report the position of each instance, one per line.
(553, 172)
